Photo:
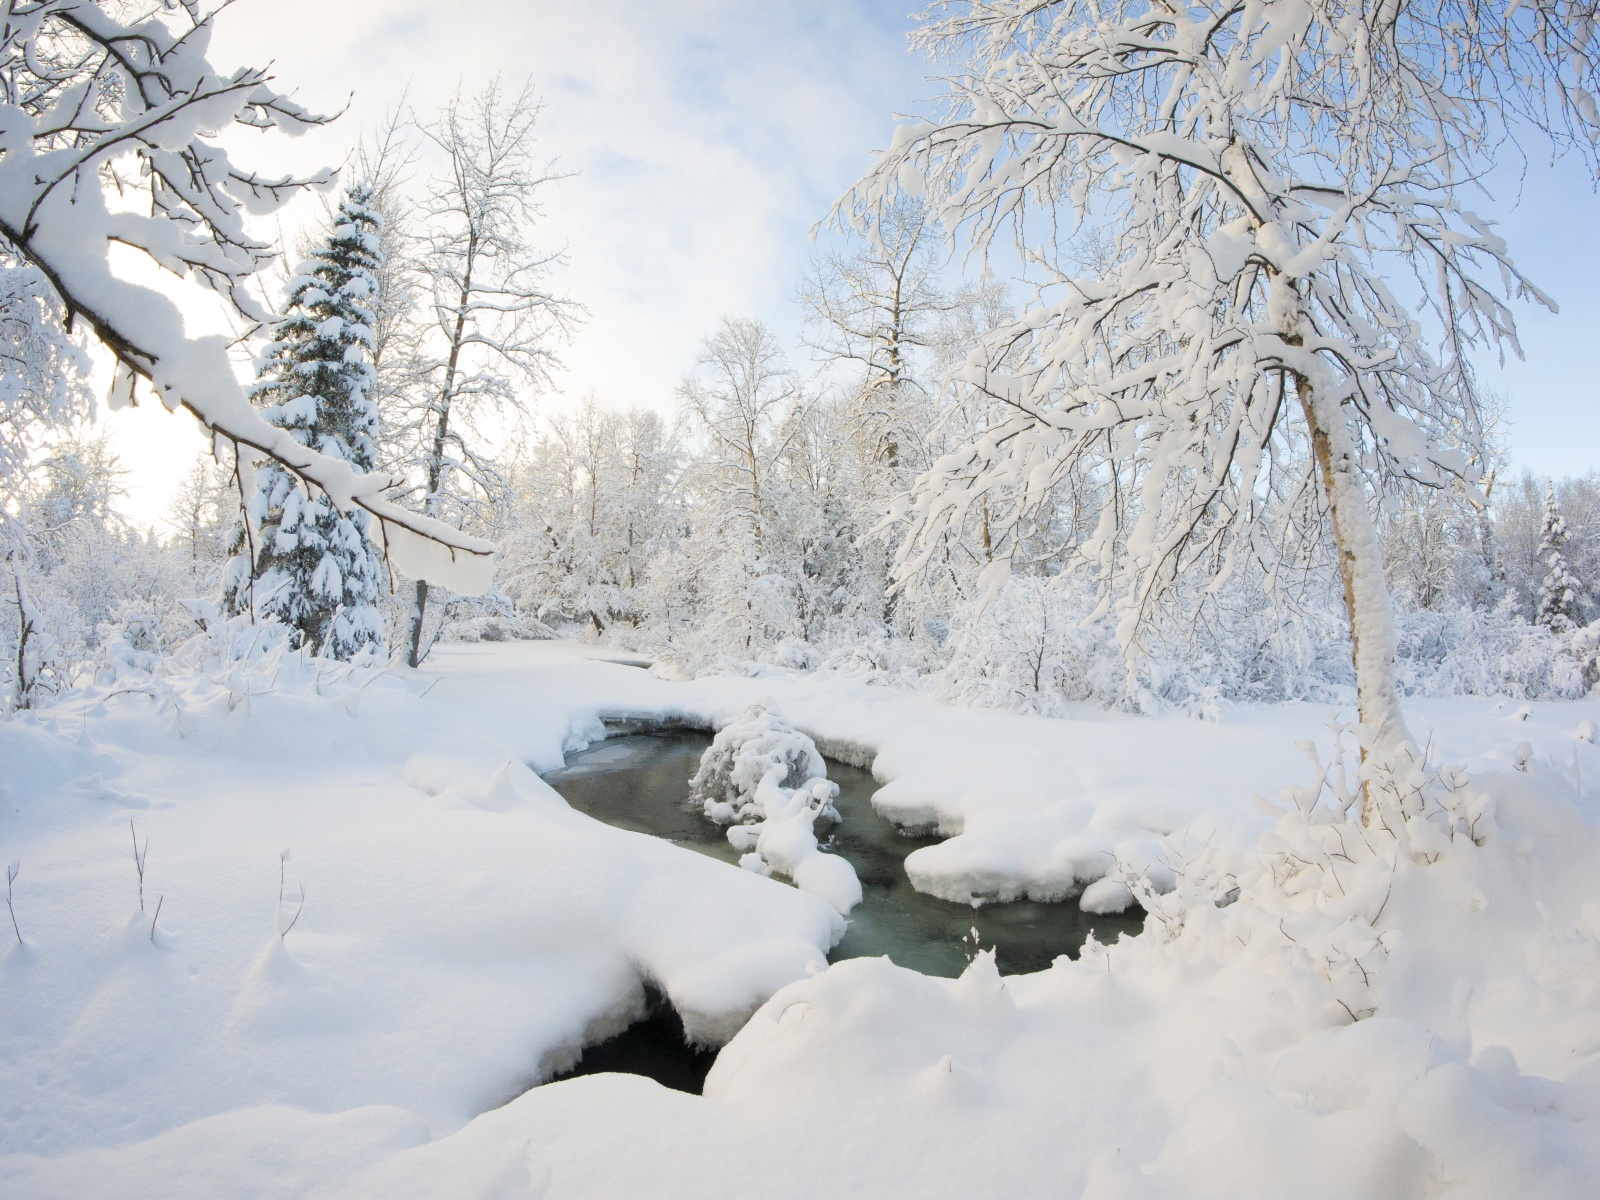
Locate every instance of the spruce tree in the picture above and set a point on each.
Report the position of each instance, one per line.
(1560, 595)
(296, 556)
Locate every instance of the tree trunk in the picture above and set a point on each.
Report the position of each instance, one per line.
(441, 433)
(27, 667)
(419, 606)
(1366, 594)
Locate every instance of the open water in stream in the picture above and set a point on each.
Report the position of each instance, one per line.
(641, 782)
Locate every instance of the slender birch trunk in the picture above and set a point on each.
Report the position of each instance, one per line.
(1366, 592)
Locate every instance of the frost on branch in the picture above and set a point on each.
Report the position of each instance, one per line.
(109, 134)
(1236, 353)
(767, 780)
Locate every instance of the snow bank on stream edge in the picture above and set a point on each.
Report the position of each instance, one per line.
(462, 926)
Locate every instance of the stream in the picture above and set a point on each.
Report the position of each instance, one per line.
(640, 782)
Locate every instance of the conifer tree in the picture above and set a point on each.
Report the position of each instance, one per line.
(1560, 594)
(296, 555)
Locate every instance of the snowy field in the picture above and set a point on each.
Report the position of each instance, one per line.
(463, 933)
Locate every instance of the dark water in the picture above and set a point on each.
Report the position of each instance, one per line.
(641, 782)
(654, 1047)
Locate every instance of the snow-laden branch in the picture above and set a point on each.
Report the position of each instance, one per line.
(90, 104)
(1262, 169)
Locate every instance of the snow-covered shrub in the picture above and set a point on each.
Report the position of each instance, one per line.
(134, 639)
(1029, 650)
(766, 779)
(1584, 647)
(1312, 899)
(756, 744)
(228, 660)
(1042, 645)
(796, 654)
(488, 618)
(888, 660)
(1474, 652)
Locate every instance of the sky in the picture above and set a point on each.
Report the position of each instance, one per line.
(705, 139)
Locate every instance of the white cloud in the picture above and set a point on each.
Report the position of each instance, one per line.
(706, 137)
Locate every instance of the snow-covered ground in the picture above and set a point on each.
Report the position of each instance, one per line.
(463, 932)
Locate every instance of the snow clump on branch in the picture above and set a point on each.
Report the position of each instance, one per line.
(94, 111)
(766, 779)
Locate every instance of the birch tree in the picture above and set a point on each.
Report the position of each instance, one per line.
(490, 343)
(741, 394)
(1263, 171)
(878, 309)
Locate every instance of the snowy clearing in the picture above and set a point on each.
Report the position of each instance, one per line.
(464, 932)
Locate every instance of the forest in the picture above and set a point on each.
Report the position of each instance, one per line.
(1086, 698)
(743, 525)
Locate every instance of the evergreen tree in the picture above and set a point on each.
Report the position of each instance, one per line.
(297, 557)
(1560, 593)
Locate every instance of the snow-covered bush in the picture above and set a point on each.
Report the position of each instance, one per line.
(134, 639)
(1042, 645)
(767, 780)
(1037, 648)
(1584, 646)
(1476, 652)
(1031, 651)
(227, 659)
(1314, 899)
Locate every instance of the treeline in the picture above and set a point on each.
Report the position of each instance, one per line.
(752, 524)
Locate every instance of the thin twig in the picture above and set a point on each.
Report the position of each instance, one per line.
(156, 918)
(282, 936)
(138, 859)
(12, 872)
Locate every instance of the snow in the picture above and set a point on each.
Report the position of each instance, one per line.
(464, 932)
(742, 778)
(426, 900)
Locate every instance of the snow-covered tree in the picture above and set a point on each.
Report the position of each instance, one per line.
(597, 499)
(202, 518)
(742, 396)
(298, 557)
(112, 125)
(490, 340)
(43, 376)
(43, 388)
(1434, 549)
(1560, 593)
(88, 571)
(1518, 516)
(1259, 170)
(878, 309)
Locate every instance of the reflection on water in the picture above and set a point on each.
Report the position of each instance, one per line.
(641, 783)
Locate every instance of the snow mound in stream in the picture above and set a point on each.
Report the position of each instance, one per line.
(767, 779)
